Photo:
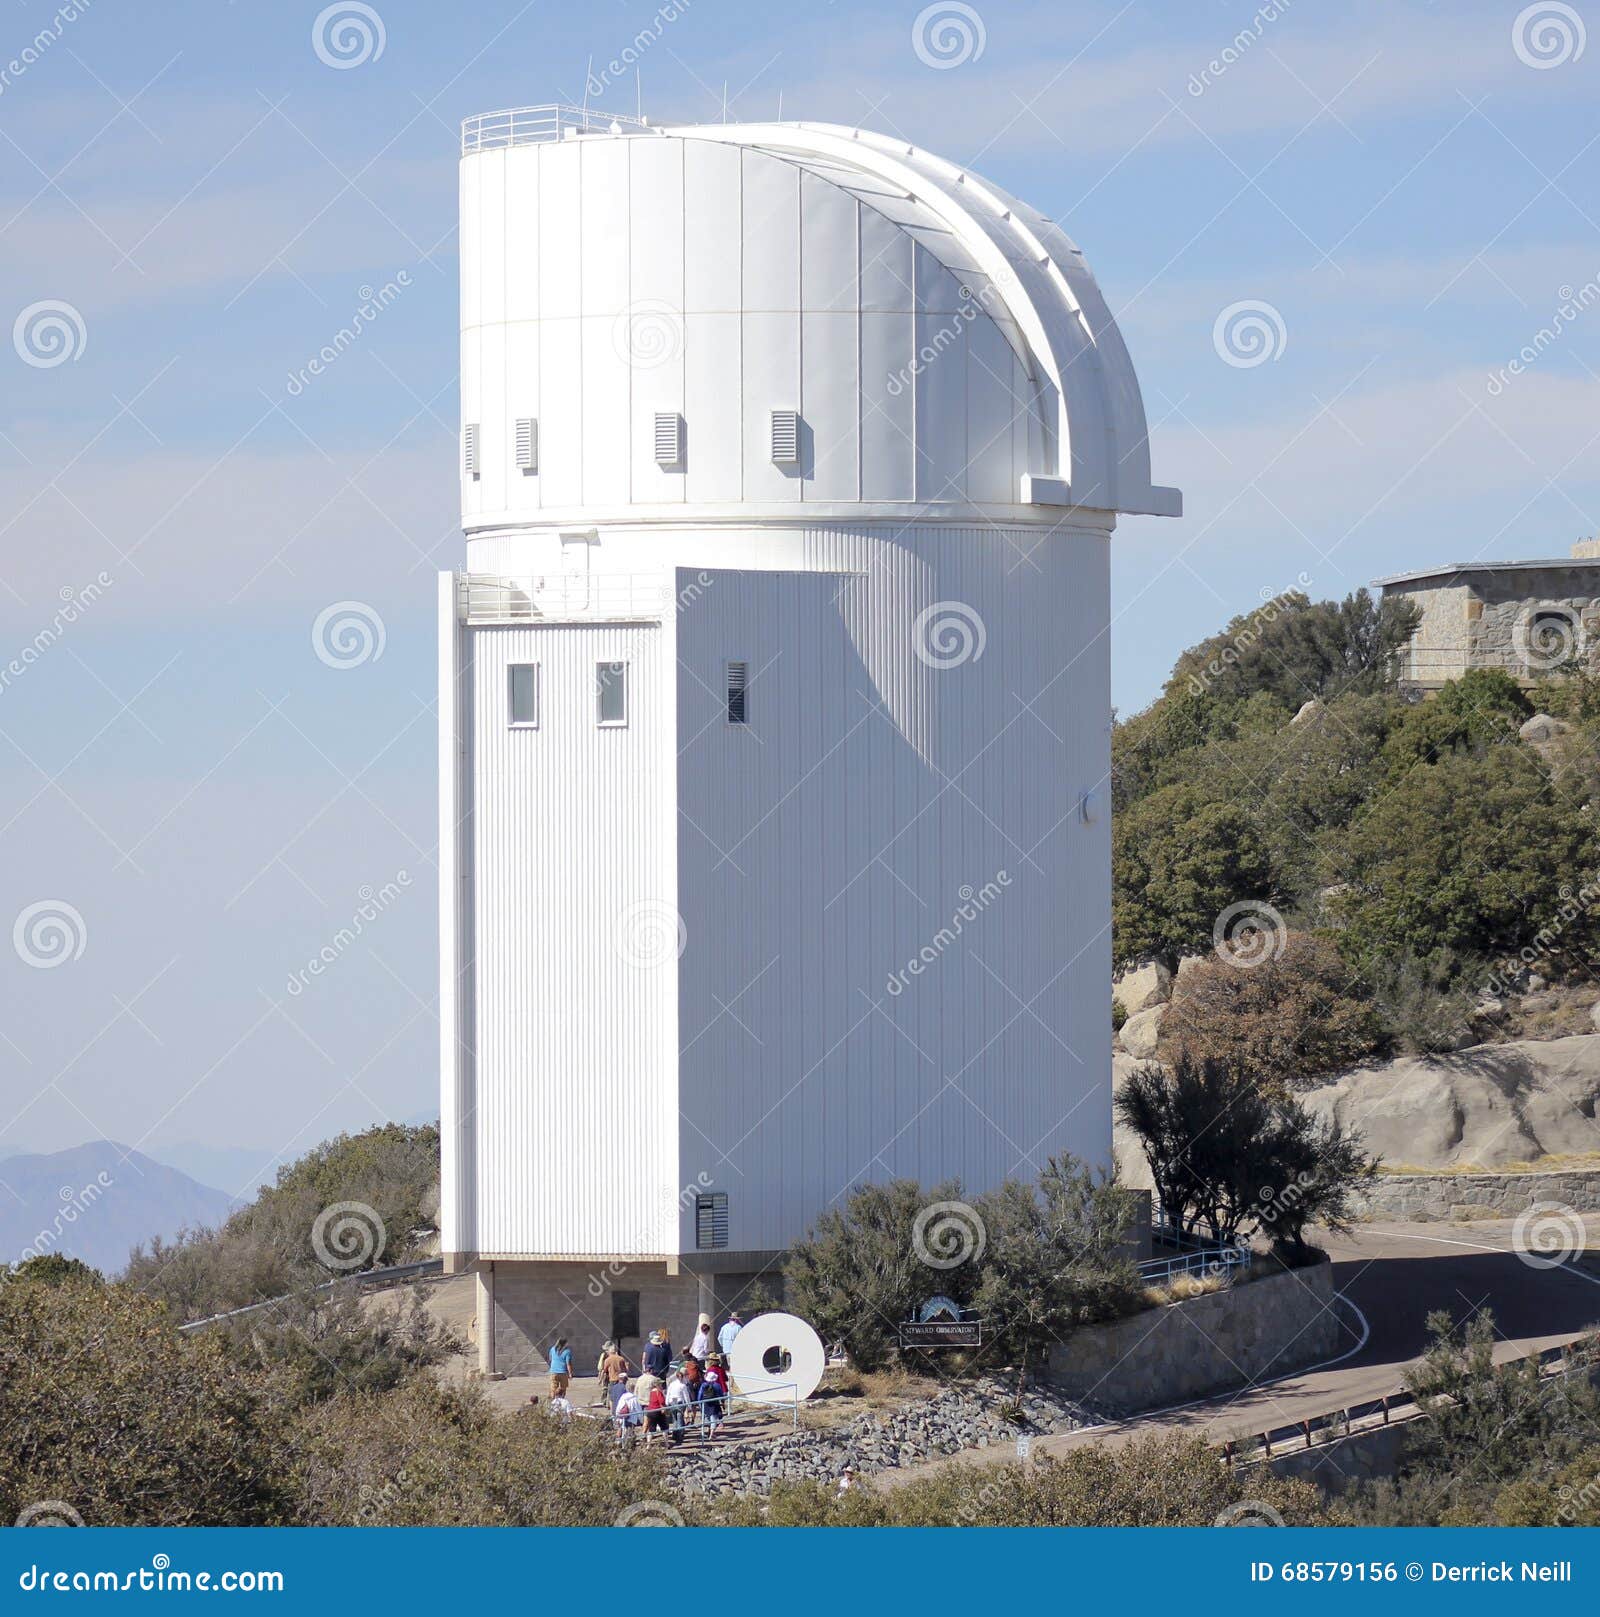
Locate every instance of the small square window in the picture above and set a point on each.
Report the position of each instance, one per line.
(611, 693)
(523, 694)
(738, 693)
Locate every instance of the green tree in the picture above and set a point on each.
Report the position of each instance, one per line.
(1179, 857)
(861, 1270)
(1468, 854)
(1055, 1256)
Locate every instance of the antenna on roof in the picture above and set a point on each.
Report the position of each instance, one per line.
(638, 94)
(588, 79)
(780, 106)
(724, 100)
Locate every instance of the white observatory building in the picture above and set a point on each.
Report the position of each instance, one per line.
(774, 705)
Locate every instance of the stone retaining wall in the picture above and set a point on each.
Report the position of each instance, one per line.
(1427, 1197)
(1250, 1332)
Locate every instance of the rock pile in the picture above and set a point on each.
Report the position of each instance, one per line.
(975, 1414)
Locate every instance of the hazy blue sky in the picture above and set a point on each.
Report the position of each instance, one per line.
(1411, 189)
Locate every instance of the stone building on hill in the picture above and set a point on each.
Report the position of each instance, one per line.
(1529, 618)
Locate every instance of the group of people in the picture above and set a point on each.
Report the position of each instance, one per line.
(666, 1395)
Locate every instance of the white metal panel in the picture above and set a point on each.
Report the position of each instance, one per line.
(770, 234)
(888, 407)
(711, 228)
(991, 474)
(521, 210)
(575, 1121)
(492, 239)
(656, 209)
(886, 255)
(521, 397)
(771, 364)
(606, 425)
(603, 207)
(938, 291)
(657, 389)
(561, 412)
(560, 232)
(712, 392)
(495, 424)
(831, 400)
(941, 393)
(829, 249)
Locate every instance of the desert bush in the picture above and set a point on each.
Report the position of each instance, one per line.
(265, 1249)
(1287, 1019)
(1157, 1481)
(1426, 1001)
(427, 1455)
(107, 1408)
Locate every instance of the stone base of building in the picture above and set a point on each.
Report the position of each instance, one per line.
(524, 1305)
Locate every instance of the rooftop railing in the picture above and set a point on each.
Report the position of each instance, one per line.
(561, 598)
(525, 126)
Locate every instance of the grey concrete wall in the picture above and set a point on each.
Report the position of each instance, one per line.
(1426, 1197)
(1253, 1331)
(534, 1303)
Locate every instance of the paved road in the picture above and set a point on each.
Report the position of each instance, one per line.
(1394, 1275)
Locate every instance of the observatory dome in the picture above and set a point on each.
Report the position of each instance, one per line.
(756, 322)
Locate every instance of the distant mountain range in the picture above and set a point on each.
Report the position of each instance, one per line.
(97, 1202)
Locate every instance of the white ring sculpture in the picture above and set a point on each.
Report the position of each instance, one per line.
(789, 1334)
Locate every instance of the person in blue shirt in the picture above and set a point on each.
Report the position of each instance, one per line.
(728, 1332)
(658, 1354)
(560, 1368)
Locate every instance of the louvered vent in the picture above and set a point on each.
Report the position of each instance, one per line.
(711, 1221)
(669, 438)
(738, 680)
(527, 443)
(469, 449)
(785, 436)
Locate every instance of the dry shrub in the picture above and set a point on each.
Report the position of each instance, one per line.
(1285, 1021)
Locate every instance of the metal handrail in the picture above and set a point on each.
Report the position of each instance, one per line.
(560, 597)
(526, 126)
(1215, 1259)
(428, 1268)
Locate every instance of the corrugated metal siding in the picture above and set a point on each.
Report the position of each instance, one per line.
(574, 1123)
(824, 844)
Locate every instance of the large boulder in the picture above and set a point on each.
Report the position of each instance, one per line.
(1140, 1032)
(1542, 727)
(1485, 1107)
(1141, 986)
